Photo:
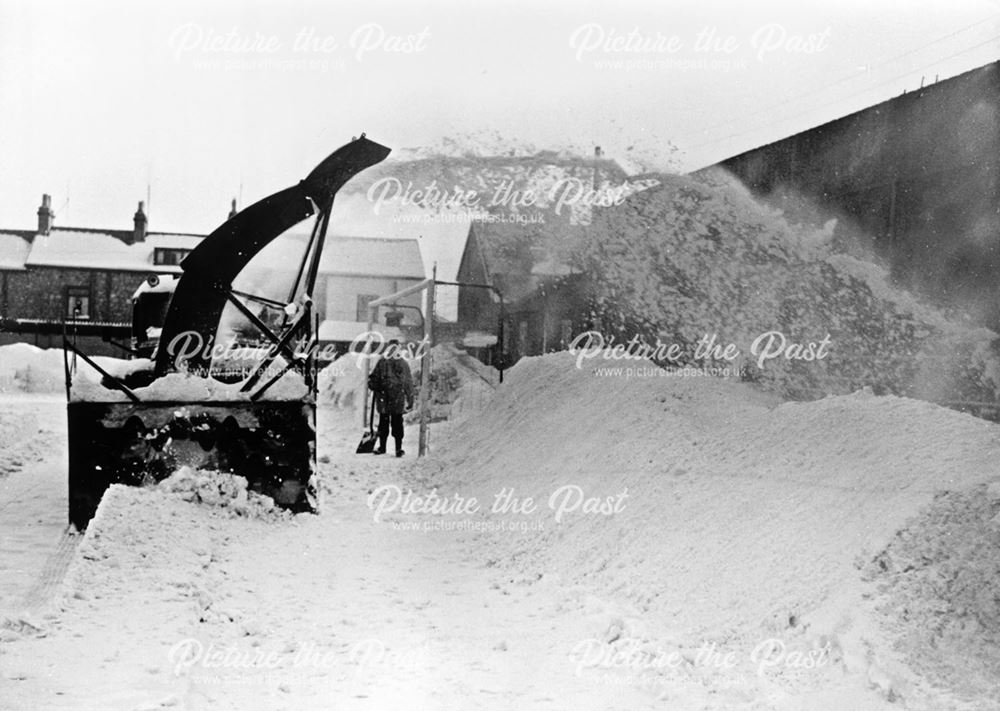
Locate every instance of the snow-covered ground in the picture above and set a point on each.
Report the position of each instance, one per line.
(691, 543)
(32, 492)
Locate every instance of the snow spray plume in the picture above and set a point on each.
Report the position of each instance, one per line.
(698, 255)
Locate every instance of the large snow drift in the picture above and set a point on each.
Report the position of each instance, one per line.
(739, 517)
(724, 518)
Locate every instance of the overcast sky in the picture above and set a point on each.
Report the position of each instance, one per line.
(206, 101)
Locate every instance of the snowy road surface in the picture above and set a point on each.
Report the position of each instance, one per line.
(748, 522)
(32, 496)
(325, 612)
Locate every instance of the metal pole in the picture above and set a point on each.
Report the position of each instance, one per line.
(502, 350)
(366, 357)
(425, 369)
(388, 299)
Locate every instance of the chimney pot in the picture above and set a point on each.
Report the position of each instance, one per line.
(45, 215)
(139, 221)
(232, 210)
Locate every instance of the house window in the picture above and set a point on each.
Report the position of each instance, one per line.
(363, 301)
(169, 257)
(77, 302)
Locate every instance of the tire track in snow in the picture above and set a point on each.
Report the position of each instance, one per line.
(53, 573)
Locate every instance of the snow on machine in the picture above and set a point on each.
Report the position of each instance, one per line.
(228, 381)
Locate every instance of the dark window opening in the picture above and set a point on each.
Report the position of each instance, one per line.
(77, 302)
(363, 301)
(169, 257)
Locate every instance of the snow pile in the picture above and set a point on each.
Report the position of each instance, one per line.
(939, 581)
(654, 153)
(460, 385)
(156, 557)
(184, 387)
(16, 430)
(703, 509)
(541, 187)
(26, 368)
(689, 258)
(340, 383)
(29, 369)
(226, 491)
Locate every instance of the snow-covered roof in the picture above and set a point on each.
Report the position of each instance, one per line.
(13, 251)
(163, 240)
(441, 234)
(74, 249)
(367, 256)
(106, 250)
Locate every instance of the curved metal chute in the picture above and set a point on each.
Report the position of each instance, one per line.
(209, 270)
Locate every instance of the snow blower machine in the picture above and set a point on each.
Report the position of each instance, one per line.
(229, 378)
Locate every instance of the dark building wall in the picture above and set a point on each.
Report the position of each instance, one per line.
(918, 175)
(549, 319)
(41, 293)
(475, 306)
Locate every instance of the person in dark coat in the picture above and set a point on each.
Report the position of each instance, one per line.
(392, 385)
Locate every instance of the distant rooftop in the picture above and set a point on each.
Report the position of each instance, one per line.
(87, 249)
(368, 247)
(368, 256)
(13, 251)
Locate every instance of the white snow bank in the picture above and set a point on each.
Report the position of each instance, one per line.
(29, 369)
(26, 368)
(740, 517)
(340, 383)
(183, 387)
(939, 581)
(148, 548)
(459, 384)
(16, 428)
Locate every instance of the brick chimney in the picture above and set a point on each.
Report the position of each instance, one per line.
(139, 220)
(45, 215)
(232, 210)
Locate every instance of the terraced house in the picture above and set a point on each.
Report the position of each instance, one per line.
(81, 280)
